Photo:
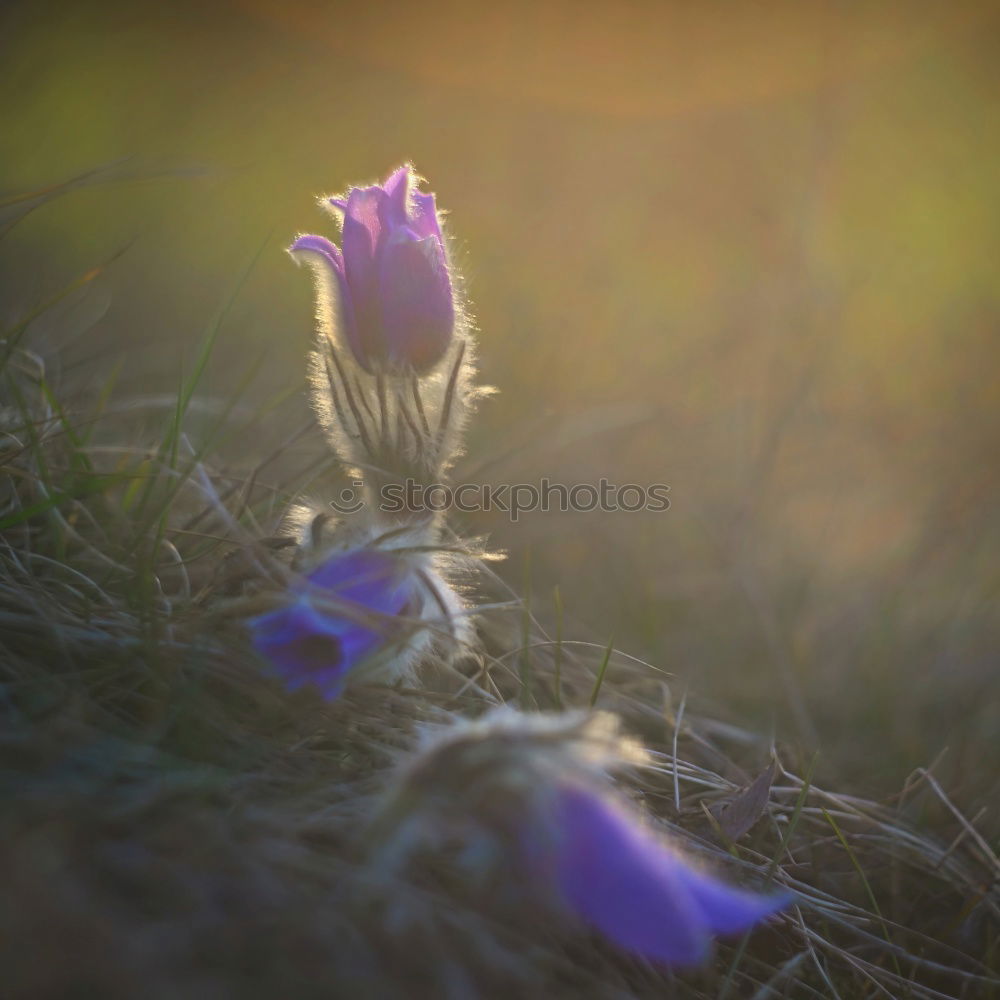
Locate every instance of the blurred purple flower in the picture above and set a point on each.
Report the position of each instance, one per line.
(333, 623)
(526, 796)
(395, 299)
(632, 887)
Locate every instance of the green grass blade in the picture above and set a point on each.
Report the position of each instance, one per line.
(602, 671)
(800, 801)
(864, 881)
(557, 597)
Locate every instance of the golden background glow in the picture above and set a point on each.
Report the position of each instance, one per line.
(747, 249)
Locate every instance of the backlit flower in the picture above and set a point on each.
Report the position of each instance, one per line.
(394, 297)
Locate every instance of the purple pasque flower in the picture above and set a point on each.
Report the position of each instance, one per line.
(634, 888)
(395, 301)
(337, 618)
(528, 799)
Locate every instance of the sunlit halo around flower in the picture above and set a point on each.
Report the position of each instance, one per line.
(393, 287)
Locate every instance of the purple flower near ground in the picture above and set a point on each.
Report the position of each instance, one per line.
(527, 797)
(634, 888)
(335, 620)
(394, 292)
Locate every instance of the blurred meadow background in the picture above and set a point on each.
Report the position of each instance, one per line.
(749, 250)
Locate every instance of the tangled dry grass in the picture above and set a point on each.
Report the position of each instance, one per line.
(175, 824)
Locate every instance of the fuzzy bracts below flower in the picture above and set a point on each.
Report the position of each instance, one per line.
(528, 797)
(395, 301)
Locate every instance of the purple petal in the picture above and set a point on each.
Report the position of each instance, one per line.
(362, 233)
(370, 578)
(418, 310)
(727, 910)
(364, 236)
(308, 647)
(624, 883)
(397, 187)
(322, 246)
(329, 254)
(313, 641)
(424, 220)
(302, 645)
(636, 890)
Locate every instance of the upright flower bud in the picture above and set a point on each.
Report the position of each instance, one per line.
(395, 304)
